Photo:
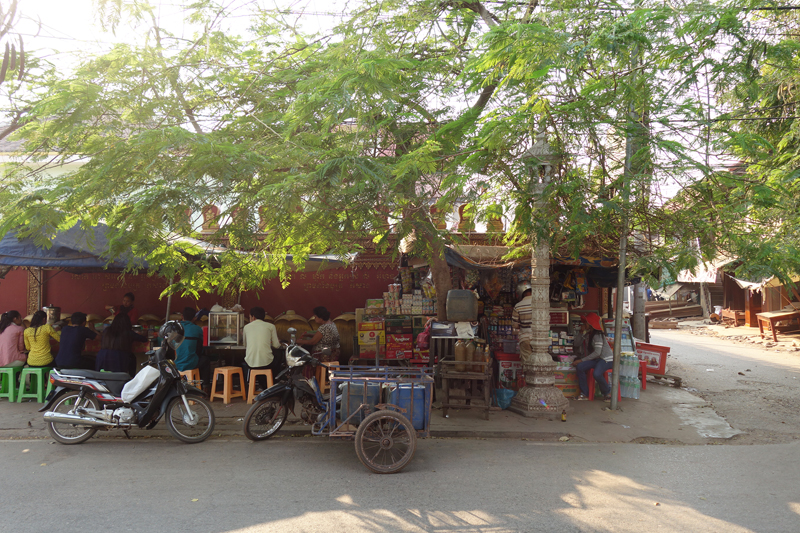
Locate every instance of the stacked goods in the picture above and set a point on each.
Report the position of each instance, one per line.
(511, 375)
(399, 338)
(407, 280)
(561, 343)
(391, 299)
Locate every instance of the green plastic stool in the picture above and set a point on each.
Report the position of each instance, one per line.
(37, 388)
(8, 381)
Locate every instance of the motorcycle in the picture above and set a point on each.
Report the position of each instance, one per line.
(271, 407)
(84, 401)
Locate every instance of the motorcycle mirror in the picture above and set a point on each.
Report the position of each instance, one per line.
(292, 332)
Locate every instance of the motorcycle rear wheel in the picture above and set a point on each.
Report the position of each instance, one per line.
(385, 442)
(72, 433)
(183, 431)
(264, 419)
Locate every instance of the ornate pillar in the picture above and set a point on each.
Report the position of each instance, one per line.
(540, 397)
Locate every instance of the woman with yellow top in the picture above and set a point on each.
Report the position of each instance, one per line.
(37, 340)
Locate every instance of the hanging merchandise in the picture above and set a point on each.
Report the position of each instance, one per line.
(492, 283)
(507, 277)
(581, 283)
(472, 279)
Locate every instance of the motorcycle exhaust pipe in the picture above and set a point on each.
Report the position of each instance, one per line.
(63, 418)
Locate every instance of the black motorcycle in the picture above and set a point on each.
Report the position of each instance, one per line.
(271, 407)
(84, 401)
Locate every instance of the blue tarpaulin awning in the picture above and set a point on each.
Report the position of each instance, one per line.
(77, 249)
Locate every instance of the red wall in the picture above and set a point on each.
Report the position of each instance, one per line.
(340, 290)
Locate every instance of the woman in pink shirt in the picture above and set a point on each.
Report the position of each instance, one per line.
(12, 342)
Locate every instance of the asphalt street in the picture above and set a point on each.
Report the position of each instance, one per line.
(756, 390)
(453, 485)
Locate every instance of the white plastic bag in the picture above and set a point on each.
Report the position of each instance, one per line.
(137, 385)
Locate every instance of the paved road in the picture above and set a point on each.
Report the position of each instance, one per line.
(757, 391)
(452, 485)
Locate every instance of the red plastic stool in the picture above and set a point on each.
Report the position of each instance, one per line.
(590, 378)
(643, 372)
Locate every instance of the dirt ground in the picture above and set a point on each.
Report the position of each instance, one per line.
(753, 383)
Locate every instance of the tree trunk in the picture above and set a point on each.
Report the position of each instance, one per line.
(440, 271)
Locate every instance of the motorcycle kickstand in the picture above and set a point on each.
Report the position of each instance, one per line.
(127, 434)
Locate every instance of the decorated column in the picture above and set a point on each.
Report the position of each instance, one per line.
(540, 397)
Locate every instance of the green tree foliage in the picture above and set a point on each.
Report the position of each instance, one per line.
(311, 144)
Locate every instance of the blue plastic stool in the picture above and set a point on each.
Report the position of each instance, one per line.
(8, 381)
(37, 389)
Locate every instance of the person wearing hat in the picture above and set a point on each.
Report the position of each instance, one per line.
(597, 356)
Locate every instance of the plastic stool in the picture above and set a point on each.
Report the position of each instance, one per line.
(37, 389)
(251, 388)
(191, 375)
(643, 372)
(227, 373)
(607, 373)
(8, 381)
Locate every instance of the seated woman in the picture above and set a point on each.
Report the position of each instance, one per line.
(325, 342)
(37, 340)
(12, 340)
(116, 346)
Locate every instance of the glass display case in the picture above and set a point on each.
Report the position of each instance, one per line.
(225, 329)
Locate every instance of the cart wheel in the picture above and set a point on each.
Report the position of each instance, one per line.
(385, 442)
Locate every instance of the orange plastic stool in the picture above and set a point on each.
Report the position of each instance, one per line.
(191, 375)
(251, 388)
(322, 376)
(607, 373)
(643, 372)
(227, 373)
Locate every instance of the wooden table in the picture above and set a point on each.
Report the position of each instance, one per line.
(771, 318)
(476, 385)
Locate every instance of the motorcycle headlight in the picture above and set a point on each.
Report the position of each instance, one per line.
(294, 355)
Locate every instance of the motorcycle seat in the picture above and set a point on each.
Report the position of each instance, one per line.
(103, 376)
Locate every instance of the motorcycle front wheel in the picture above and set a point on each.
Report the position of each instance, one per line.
(192, 427)
(264, 419)
(72, 433)
(385, 442)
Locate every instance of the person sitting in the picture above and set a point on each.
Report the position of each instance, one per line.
(599, 357)
(188, 354)
(116, 346)
(73, 339)
(37, 340)
(325, 342)
(260, 341)
(127, 308)
(12, 340)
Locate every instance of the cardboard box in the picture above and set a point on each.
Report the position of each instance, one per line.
(370, 326)
(398, 339)
(566, 376)
(398, 354)
(399, 346)
(371, 337)
(374, 303)
(569, 390)
(398, 330)
(377, 311)
(511, 375)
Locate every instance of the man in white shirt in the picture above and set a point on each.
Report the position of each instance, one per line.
(260, 338)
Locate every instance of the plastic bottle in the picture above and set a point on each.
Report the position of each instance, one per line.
(477, 357)
(460, 351)
(469, 354)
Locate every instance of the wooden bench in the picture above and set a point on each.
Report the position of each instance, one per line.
(733, 317)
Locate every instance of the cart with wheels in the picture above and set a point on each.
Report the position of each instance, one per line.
(384, 410)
